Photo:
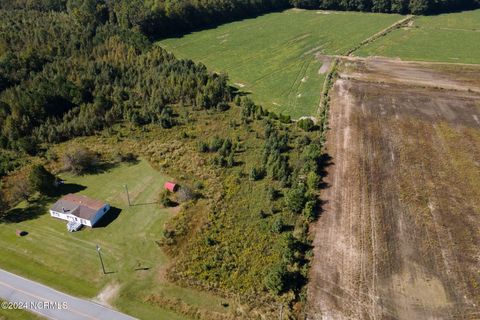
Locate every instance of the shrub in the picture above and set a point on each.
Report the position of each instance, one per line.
(185, 194)
(226, 147)
(275, 279)
(223, 106)
(273, 194)
(230, 160)
(164, 199)
(313, 180)
(198, 185)
(284, 118)
(303, 141)
(256, 174)
(80, 160)
(288, 249)
(262, 214)
(125, 157)
(296, 199)
(310, 210)
(300, 230)
(220, 161)
(238, 101)
(277, 225)
(202, 147)
(306, 124)
(216, 144)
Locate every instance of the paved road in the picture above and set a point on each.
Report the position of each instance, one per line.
(51, 303)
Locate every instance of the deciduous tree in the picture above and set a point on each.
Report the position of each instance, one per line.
(42, 180)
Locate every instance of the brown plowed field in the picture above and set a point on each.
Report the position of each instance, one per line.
(399, 237)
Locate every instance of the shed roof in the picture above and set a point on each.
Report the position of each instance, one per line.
(171, 186)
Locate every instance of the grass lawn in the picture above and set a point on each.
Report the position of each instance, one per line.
(6, 314)
(274, 56)
(453, 37)
(69, 261)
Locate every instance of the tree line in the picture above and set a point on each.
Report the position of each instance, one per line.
(390, 6)
(160, 18)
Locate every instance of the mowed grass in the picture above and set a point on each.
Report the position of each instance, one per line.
(10, 314)
(453, 37)
(274, 56)
(69, 261)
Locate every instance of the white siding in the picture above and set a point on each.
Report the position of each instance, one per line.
(100, 213)
(69, 217)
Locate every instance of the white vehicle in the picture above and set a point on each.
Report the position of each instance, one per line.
(73, 226)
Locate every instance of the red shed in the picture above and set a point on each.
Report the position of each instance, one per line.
(170, 186)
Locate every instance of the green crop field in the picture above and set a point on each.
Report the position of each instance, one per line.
(69, 261)
(453, 37)
(274, 56)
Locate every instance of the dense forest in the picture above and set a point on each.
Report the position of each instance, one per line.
(65, 74)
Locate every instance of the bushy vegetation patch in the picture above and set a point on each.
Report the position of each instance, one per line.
(249, 233)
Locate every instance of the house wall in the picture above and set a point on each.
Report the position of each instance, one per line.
(100, 213)
(70, 217)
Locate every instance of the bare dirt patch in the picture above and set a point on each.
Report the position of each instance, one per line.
(326, 63)
(431, 75)
(400, 234)
(108, 294)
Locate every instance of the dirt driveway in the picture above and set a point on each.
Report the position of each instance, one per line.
(399, 237)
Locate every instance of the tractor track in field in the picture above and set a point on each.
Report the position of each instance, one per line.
(398, 237)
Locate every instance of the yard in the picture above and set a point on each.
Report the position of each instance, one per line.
(133, 261)
(7, 314)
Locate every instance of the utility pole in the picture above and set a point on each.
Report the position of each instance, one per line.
(101, 260)
(128, 196)
(281, 312)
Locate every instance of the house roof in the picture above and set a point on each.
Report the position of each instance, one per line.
(78, 205)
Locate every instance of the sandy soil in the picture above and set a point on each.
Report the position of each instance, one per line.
(108, 294)
(399, 237)
(430, 75)
(326, 63)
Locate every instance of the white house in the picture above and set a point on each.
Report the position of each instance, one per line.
(79, 208)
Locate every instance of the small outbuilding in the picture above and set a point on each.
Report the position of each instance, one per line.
(170, 186)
